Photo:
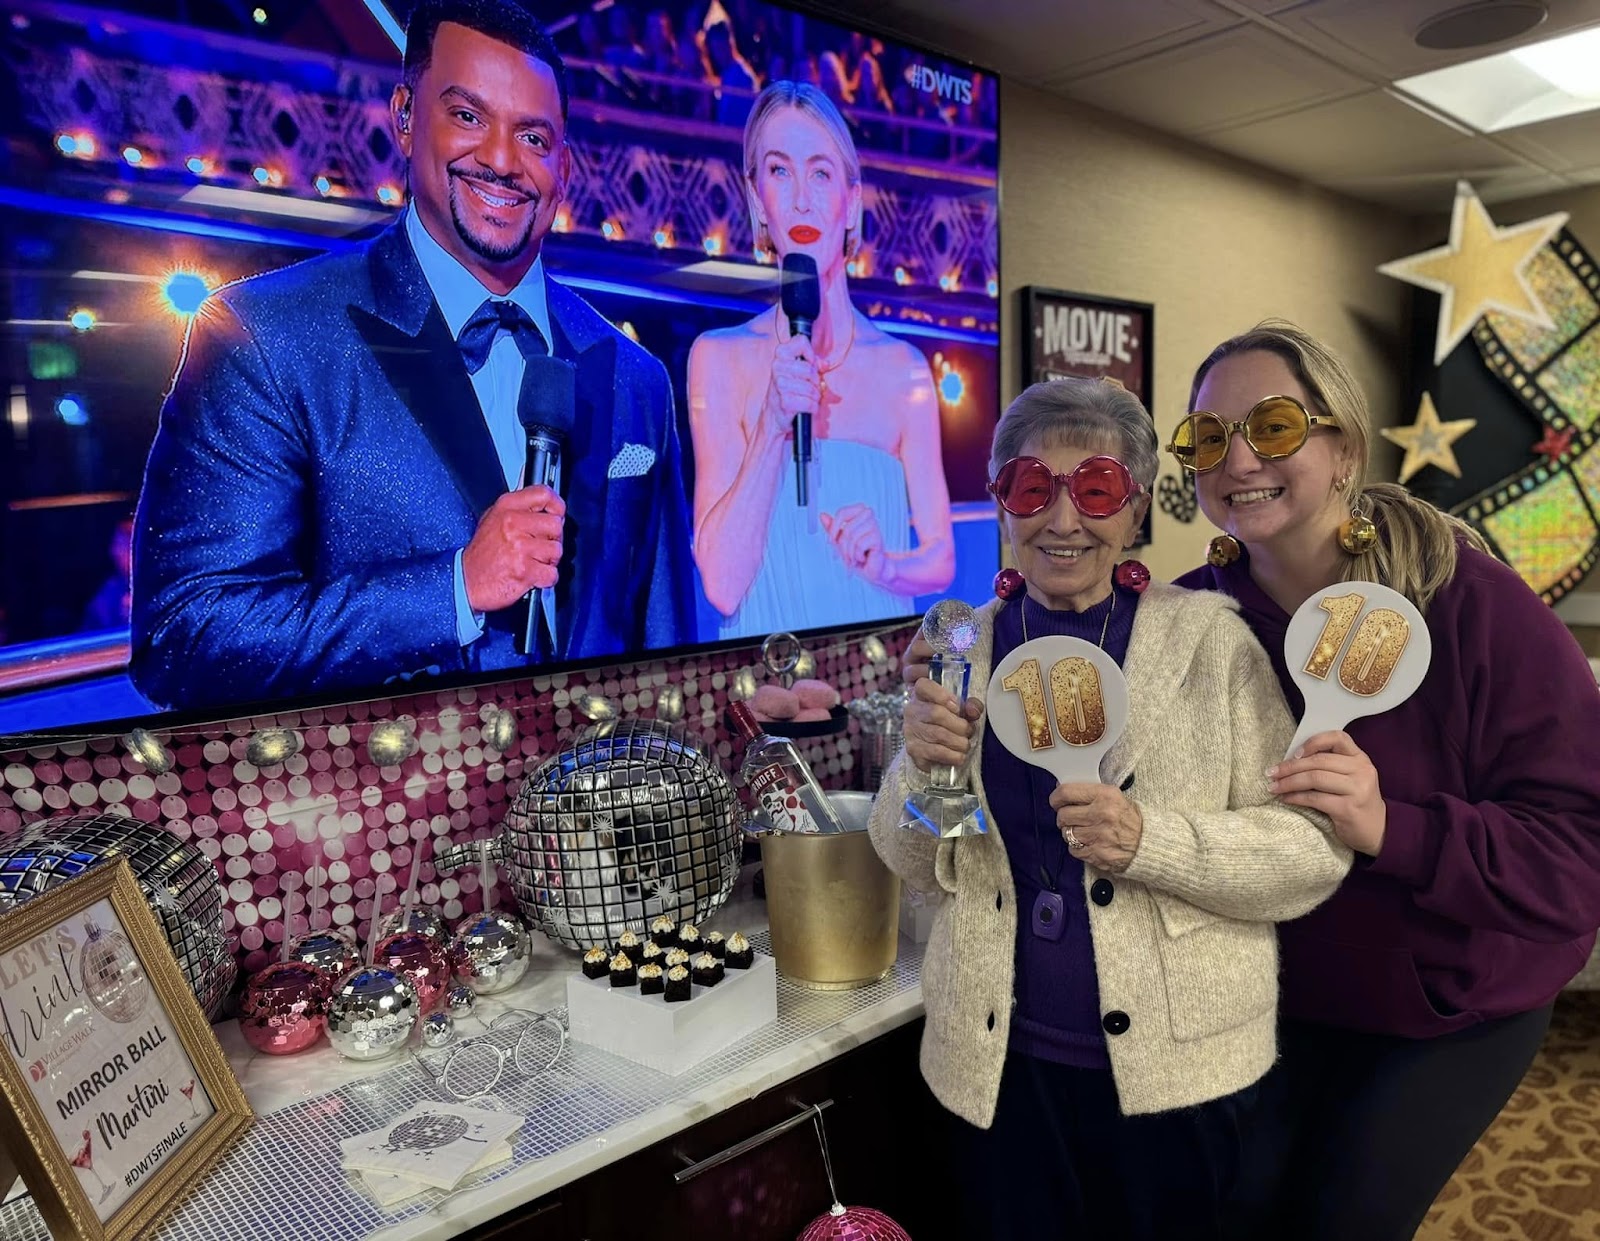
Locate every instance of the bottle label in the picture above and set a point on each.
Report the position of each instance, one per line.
(780, 800)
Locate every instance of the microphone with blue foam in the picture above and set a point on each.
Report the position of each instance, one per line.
(546, 407)
(801, 299)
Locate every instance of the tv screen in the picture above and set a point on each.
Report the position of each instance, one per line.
(630, 329)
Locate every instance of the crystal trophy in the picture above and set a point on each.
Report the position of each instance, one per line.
(947, 808)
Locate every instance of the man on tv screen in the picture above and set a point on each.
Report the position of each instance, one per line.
(422, 454)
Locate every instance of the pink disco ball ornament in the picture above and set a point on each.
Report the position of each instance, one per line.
(843, 1223)
(284, 1008)
(420, 961)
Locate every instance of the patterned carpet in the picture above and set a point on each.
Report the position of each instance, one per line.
(1535, 1176)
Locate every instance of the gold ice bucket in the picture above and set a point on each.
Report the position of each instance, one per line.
(834, 907)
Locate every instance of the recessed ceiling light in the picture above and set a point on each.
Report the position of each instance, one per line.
(1537, 82)
(1478, 25)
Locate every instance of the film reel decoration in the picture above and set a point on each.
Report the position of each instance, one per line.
(1355, 651)
(1176, 496)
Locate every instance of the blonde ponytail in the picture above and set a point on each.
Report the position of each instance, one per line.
(1416, 548)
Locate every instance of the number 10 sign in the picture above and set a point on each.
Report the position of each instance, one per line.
(1358, 649)
(1059, 703)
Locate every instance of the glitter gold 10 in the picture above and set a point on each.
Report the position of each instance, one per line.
(1544, 519)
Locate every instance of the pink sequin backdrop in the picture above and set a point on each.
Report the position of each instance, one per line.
(266, 828)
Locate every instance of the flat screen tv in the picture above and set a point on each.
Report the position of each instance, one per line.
(293, 416)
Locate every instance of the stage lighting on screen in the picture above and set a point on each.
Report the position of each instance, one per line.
(83, 319)
(72, 411)
(184, 292)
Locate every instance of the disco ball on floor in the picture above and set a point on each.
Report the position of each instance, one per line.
(178, 881)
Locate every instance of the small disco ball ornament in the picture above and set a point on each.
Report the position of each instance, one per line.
(843, 1223)
(460, 1000)
(632, 820)
(669, 704)
(178, 881)
(490, 952)
(499, 729)
(333, 951)
(597, 708)
(391, 742)
(873, 648)
(805, 665)
(111, 976)
(421, 961)
(273, 745)
(144, 746)
(438, 1030)
(370, 1014)
(743, 686)
(418, 918)
(951, 627)
(284, 1008)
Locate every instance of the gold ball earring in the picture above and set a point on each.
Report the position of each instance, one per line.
(1357, 534)
(1223, 550)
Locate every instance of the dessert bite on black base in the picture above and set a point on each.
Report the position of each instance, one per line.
(715, 944)
(596, 963)
(664, 931)
(707, 971)
(676, 956)
(651, 980)
(630, 945)
(689, 938)
(652, 954)
(624, 973)
(677, 984)
(740, 955)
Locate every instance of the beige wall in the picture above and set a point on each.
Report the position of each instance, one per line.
(1093, 204)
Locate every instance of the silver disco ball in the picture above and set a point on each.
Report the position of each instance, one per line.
(178, 881)
(631, 820)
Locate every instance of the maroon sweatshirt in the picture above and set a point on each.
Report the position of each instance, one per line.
(1486, 894)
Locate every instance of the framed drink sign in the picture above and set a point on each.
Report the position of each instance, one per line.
(1075, 334)
(120, 1095)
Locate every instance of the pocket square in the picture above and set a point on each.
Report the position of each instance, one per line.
(631, 461)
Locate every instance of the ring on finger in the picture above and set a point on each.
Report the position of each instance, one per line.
(1072, 840)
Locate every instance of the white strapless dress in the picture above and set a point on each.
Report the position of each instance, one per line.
(802, 583)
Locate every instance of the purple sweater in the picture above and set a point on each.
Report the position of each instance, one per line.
(1057, 1016)
(1485, 897)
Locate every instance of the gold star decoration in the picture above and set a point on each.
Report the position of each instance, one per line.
(1427, 440)
(1483, 267)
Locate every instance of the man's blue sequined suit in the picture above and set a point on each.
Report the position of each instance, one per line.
(321, 458)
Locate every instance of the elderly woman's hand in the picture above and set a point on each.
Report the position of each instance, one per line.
(1333, 774)
(914, 663)
(1101, 826)
(938, 729)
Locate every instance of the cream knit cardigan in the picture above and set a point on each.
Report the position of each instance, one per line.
(1185, 948)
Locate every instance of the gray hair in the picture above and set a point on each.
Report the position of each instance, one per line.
(1096, 414)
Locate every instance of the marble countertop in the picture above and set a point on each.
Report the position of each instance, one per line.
(827, 1023)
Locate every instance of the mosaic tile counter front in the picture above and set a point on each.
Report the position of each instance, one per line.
(267, 828)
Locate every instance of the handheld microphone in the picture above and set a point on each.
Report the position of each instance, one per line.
(801, 298)
(546, 407)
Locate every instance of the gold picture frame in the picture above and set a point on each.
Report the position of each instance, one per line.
(78, 1038)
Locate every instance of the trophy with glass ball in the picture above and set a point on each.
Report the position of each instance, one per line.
(947, 807)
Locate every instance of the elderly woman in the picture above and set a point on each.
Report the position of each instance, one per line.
(875, 415)
(1415, 999)
(1101, 1059)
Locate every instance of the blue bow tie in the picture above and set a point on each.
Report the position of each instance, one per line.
(487, 322)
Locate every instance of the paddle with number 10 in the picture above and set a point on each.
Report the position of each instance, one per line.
(1357, 649)
(1059, 703)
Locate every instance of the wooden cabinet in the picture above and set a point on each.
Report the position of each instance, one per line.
(884, 1129)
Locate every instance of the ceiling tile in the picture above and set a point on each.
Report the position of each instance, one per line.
(1381, 34)
(1560, 145)
(1371, 136)
(1433, 192)
(1225, 80)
